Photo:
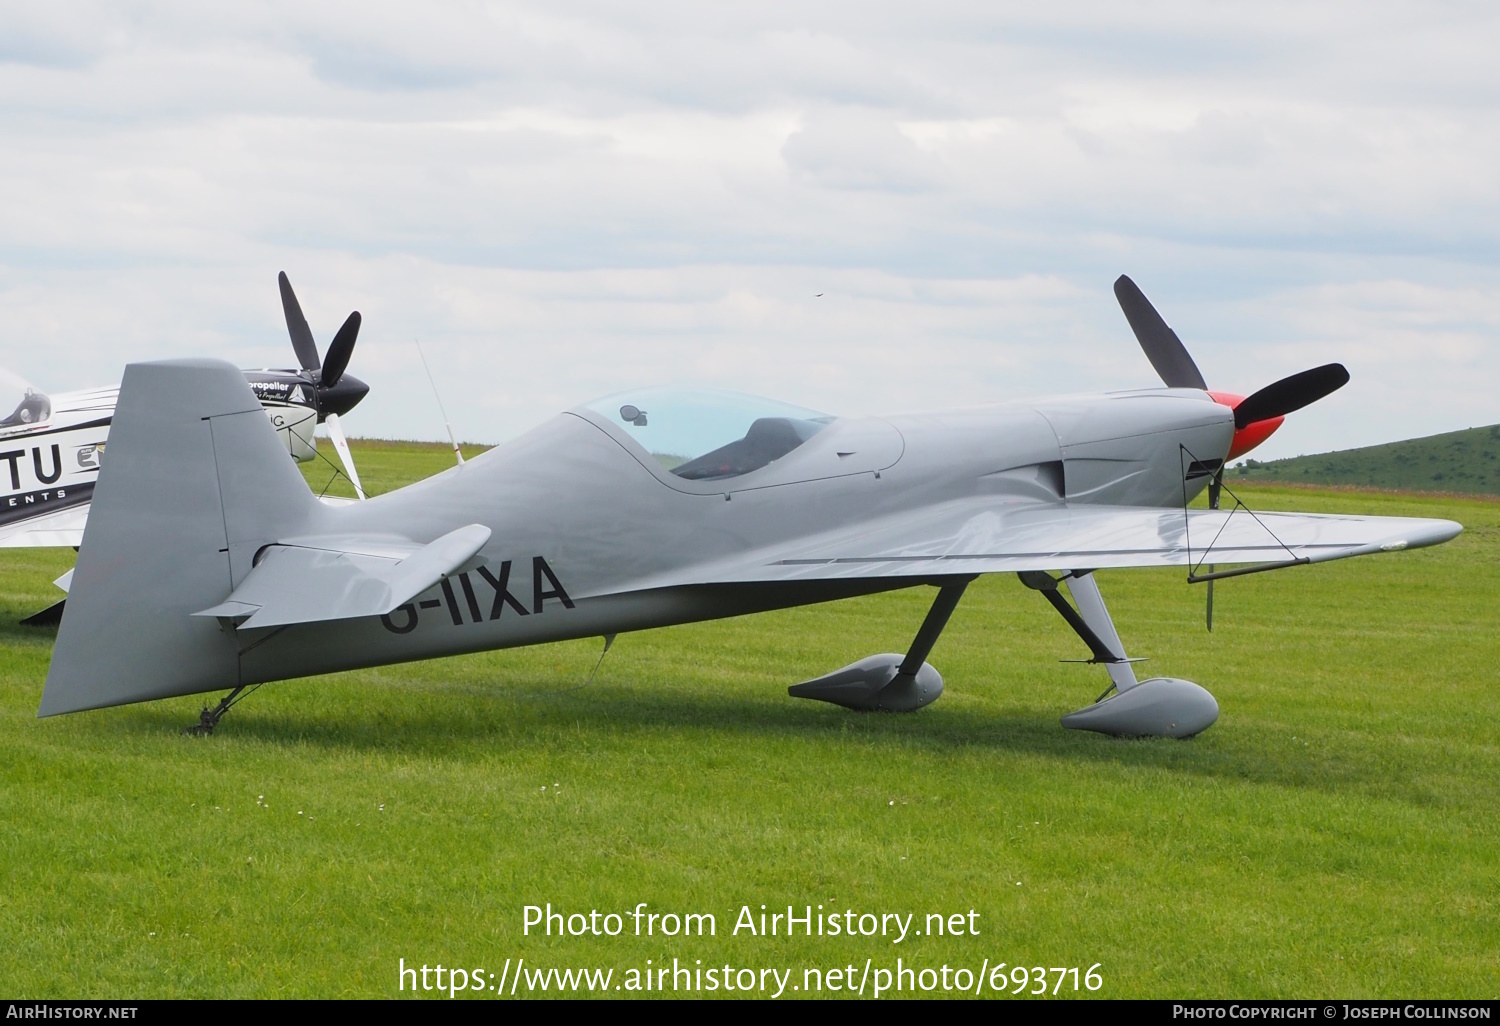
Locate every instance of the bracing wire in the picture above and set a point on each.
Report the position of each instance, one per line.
(1239, 504)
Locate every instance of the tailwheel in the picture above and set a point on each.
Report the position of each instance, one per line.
(208, 719)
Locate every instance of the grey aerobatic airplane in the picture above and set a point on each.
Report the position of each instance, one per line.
(208, 565)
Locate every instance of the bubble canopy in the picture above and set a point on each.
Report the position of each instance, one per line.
(707, 434)
(33, 408)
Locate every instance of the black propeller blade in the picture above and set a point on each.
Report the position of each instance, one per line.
(1290, 393)
(296, 326)
(339, 351)
(1161, 344)
(334, 392)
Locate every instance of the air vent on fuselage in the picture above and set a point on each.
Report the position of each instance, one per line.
(1043, 481)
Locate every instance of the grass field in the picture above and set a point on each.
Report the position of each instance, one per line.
(1337, 833)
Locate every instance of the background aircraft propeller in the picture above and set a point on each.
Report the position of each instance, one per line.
(339, 351)
(334, 392)
(336, 435)
(1256, 417)
(296, 326)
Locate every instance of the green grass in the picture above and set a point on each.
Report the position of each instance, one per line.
(1335, 834)
(1467, 462)
(382, 465)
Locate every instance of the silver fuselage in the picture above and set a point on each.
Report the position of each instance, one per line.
(591, 536)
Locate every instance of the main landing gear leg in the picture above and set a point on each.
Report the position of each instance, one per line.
(208, 719)
(1157, 707)
(892, 682)
(1090, 622)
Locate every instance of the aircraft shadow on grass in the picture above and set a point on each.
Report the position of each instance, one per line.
(463, 716)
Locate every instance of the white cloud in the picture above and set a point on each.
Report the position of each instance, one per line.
(563, 200)
(854, 148)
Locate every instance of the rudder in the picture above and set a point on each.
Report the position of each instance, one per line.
(193, 484)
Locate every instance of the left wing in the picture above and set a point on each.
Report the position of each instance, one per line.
(977, 535)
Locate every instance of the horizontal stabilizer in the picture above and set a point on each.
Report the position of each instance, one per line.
(315, 579)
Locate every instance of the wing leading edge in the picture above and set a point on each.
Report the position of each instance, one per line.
(971, 536)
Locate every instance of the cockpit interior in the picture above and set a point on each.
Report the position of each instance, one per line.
(709, 434)
(34, 408)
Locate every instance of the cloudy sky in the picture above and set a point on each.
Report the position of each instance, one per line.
(562, 200)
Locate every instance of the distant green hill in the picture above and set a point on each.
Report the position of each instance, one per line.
(1459, 461)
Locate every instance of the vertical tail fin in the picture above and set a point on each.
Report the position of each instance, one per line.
(194, 482)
